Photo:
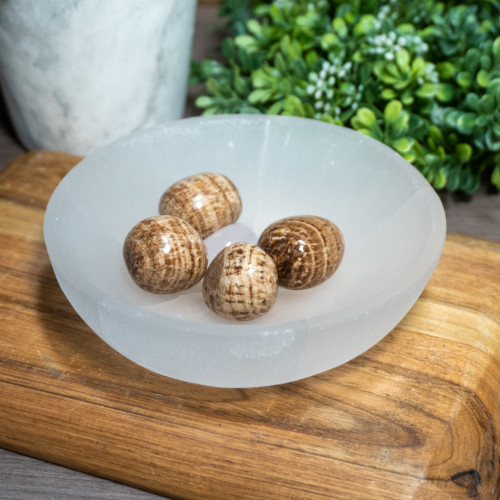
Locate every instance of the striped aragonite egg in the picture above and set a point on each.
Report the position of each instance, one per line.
(165, 254)
(208, 201)
(307, 250)
(241, 283)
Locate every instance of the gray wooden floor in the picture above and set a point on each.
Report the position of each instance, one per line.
(23, 478)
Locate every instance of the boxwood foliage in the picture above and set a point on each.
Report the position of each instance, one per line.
(419, 75)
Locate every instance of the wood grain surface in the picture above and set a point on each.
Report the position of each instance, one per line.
(417, 416)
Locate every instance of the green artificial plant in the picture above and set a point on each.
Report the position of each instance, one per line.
(419, 75)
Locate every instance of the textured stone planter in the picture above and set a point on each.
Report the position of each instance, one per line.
(77, 74)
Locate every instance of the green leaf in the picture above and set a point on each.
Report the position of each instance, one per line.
(249, 110)
(388, 94)
(304, 21)
(435, 134)
(410, 156)
(472, 59)
(482, 121)
(464, 152)
(482, 78)
(210, 111)
(496, 49)
(486, 104)
(247, 42)
(445, 92)
(401, 122)
(466, 122)
(403, 60)
(329, 40)
(213, 86)
(291, 48)
(367, 131)
(330, 119)
(495, 176)
(452, 117)
(293, 106)
(388, 73)
(445, 70)
(366, 24)
(311, 59)
(485, 62)
(427, 90)
(259, 95)
(453, 179)
(403, 145)
(472, 101)
(406, 28)
(254, 27)
(260, 78)
(339, 26)
(441, 153)
(364, 73)
(203, 101)
(358, 56)
(347, 88)
(464, 79)
(392, 111)
(365, 118)
(407, 100)
(275, 108)
(276, 13)
(418, 66)
(439, 180)
(492, 140)
(473, 183)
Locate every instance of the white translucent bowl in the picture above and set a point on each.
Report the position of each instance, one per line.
(392, 220)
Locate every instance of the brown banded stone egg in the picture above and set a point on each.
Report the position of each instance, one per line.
(241, 283)
(165, 254)
(307, 250)
(208, 201)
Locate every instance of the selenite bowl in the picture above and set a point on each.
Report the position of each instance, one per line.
(392, 220)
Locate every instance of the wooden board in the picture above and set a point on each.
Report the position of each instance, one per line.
(417, 416)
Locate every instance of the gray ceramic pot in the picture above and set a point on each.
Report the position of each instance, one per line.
(77, 74)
